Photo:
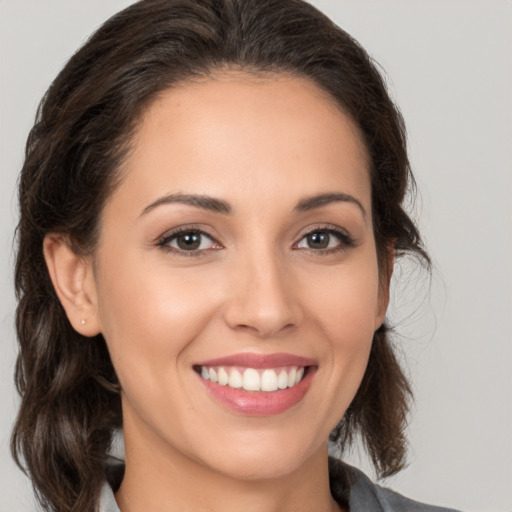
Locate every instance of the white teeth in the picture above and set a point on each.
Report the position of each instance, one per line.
(251, 379)
(269, 380)
(235, 379)
(223, 376)
(291, 377)
(282, 380)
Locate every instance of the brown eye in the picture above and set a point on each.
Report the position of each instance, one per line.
(321, 239)
(318, 240)
(326, 240)
(189, 241)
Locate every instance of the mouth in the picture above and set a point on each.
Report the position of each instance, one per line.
(256, 384)
(254, 379)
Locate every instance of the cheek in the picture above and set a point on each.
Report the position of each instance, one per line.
(346, 299)
(150, 315)
(344, 306)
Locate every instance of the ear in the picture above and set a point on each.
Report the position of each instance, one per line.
(73, 279)
(385, 280)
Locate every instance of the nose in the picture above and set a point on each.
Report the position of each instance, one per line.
(262, 298)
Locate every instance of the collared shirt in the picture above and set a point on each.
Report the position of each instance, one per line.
(347, 483)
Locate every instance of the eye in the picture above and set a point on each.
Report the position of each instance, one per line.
(325, 240)
(188, 240)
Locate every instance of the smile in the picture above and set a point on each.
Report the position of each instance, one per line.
(253, 379)
(257, 384)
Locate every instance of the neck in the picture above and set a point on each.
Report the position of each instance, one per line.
(165, 482)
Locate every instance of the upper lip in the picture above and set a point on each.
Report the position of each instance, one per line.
(253, 360)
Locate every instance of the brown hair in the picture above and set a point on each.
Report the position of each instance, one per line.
(70, 403)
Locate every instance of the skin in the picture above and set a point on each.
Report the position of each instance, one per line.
(262, 145)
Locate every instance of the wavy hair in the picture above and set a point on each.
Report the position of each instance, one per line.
(70, 402)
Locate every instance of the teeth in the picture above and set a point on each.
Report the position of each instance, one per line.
(251, 379)
(223, 376)
(235, 379)
(282, 380)
(291, 377)
(269, 380)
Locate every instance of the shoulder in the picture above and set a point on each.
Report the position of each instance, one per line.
(364, 495)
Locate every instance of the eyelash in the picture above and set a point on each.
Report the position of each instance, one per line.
(166, 239)
(345, 241)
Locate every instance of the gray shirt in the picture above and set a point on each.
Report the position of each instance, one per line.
(348, 484)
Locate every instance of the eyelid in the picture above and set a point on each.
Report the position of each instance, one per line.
(346, 239)
(311, 228)
(163, 240)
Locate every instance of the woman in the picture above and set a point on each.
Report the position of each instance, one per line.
(211, 206)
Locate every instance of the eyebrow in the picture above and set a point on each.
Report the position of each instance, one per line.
(199, 201)
(220, 206)
(309, 203)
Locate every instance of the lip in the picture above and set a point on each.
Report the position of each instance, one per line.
(258, 361)
(258, 403)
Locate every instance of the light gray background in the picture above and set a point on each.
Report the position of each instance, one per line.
(449, 65)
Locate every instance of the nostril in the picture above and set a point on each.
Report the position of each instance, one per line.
(263, 330)
(262, 307)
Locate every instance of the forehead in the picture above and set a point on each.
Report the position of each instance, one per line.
(236, 133)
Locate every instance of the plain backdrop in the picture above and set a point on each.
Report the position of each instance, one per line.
(449, 66)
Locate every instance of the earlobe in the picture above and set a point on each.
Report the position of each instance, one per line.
(73, 280)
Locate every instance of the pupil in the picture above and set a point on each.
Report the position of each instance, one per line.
(318, 240)
(189, 241)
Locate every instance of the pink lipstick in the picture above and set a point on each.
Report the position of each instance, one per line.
(257, 384)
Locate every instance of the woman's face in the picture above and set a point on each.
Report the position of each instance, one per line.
(239, 248)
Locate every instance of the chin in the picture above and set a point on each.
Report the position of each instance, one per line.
(254, 460)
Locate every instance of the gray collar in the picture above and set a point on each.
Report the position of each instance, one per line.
(348, 484)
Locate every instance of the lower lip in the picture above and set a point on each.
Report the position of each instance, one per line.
(260, 403)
